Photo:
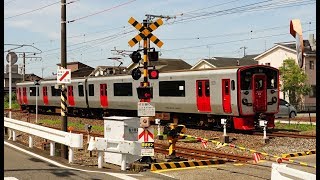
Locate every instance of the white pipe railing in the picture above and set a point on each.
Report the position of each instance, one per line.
(55, 136)
(281, 172)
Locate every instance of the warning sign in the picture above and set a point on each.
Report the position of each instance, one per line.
(64, 76)
(147, 149)
(146, 109)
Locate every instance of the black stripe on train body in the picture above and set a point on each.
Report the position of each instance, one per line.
(241, 94)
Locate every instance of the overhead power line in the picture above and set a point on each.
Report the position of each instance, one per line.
(43, 7)
(102, 11)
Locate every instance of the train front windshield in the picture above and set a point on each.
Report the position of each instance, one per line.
(247, 75)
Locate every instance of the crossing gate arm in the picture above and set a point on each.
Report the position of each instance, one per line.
(69, 139)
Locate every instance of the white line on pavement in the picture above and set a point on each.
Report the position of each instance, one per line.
(10, 178)
(118, 175)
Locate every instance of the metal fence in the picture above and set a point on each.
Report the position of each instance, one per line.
(306, 107)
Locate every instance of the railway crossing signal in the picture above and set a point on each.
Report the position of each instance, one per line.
(136, 73)
(145, 32)
(153, 56)
(153, 74)
(135, 56)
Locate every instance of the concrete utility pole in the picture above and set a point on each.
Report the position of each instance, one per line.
(64, 120)
(244, 50)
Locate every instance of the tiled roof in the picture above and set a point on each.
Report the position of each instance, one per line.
(164, 64)
(225, 61)
(292, 45)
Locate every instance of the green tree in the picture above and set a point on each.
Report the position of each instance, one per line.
(294, 80)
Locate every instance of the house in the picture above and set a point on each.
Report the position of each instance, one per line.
(277, 54)
(78, 69)
(163, 64)
(74, 65)
(217, 62)
(16, 78)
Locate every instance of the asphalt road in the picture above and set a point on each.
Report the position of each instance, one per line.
(24, 165)
(231, 171)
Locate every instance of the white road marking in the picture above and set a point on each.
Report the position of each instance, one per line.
(118, 175)
(10, 178)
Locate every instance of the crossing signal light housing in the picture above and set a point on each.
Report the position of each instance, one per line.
(136, 73)
(153, 56)
(135, 56)
(144, 92)
(153, 74)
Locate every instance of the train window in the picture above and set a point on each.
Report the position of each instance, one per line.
(172, 88)
(55, 92)
(33, 91)
(233, 85)
(199, 88)
(122, 89)
(80, 90)
(207, 88)
(91, 89)
(226, 87)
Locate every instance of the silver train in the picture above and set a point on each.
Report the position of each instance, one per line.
(241, 94)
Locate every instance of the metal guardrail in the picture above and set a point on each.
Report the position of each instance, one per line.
(55, 136)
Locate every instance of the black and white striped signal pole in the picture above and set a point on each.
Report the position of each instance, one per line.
(64, 120)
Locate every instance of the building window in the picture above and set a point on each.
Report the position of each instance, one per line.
(33, 91)
(172, 88)
(122, 89)
(91, 89)
(267, 64)
(313, 91)
(311, 64)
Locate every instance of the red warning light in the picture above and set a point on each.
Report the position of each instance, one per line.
(153, 74)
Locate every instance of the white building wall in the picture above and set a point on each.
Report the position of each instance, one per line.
(276, 57)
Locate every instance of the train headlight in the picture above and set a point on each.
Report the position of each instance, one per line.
(244, 101)
(274, 99)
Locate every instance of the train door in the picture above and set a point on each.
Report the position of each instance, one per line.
(45, 95)
(24, 95)
(19, 96)
(70, 96)
(203, 95)
(259, 93)
(103, 95)
(226, 98)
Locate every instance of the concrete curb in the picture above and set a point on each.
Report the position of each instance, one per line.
(304, 153)
(183, 164)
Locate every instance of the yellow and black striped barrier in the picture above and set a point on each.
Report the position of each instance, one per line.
(184, 164)
(250, 150)
(305, 153)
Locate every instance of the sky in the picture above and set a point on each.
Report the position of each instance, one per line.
(193, 30)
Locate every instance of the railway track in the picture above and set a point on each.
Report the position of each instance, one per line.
(291, 135)
(273, 134)
(199, 154)
(188, 153)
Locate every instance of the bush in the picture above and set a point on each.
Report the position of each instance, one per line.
(13, 97)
